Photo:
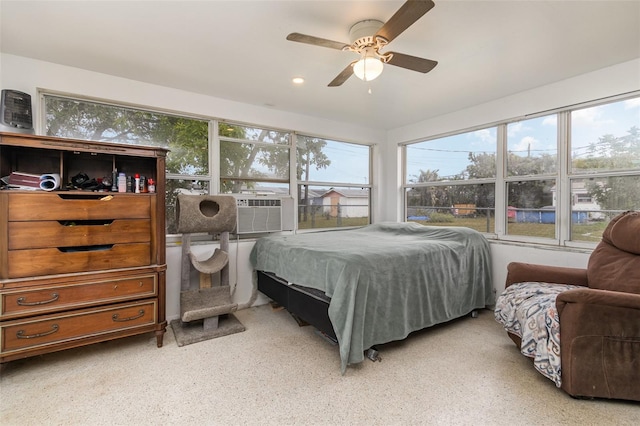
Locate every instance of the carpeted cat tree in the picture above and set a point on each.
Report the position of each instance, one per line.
(206, 309)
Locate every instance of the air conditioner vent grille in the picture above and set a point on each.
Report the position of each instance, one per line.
(259, 215)
(259, 203)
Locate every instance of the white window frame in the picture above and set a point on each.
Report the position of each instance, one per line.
(294, 178)
(563, 175)
(214, 139)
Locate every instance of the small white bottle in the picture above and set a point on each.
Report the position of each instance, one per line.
(137, 189)
(122, 182)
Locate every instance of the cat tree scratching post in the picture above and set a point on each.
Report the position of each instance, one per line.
(206, 308)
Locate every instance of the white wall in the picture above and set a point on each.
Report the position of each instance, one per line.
(606, 82)
(241, 274)
(27, 75)
(610, 81)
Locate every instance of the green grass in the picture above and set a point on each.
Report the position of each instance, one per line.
(321, 221)
(589, 232)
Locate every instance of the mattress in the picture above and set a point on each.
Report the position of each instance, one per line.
(384, 280)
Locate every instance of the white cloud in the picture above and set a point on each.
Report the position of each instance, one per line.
(514, 128)
(632, 103)
(589, 117)
(551, 120)
(485, 136)
(526, 143)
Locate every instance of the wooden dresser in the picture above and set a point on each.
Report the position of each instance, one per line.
(79, 266)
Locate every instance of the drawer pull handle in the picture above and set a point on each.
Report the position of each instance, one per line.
(20, 333)
(22, 300)
(116, 319)
(75, 249)
(71, 223)
(85, 196)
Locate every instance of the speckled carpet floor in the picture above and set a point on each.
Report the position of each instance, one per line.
(467, 372)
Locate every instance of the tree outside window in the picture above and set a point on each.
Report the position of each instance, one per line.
(333, 183)
(457, 184)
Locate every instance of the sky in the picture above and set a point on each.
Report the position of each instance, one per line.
(449, 155)
(349, 164)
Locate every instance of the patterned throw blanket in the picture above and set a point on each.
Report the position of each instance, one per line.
(528, 310)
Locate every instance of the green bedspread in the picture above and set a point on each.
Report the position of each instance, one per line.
(384, 280)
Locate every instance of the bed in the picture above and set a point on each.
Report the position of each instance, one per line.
(378, 283)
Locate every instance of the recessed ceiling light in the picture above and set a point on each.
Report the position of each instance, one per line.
(297, 80)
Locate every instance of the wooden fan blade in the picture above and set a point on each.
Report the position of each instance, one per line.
(406, 16)
(343, 76)
(316, 41)
(412, 62)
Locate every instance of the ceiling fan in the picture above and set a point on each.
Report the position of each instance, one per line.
(368, 37)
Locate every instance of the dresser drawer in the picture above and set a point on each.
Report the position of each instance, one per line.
(49, 261)
(55, 329)
(78, 206)
(44, 234)
(59, 297)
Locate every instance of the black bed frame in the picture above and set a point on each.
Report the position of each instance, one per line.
(307, 304)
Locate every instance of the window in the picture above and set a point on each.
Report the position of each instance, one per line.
(451, 180)
(605, 165)
(253, 160)
(333, 179)
(532, 164)
(581, 198)
(187, 164)
(209, 156)
(544, 197)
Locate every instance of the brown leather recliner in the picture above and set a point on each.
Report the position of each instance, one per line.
(600, 323)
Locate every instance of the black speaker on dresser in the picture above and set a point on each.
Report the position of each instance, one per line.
(16, 114)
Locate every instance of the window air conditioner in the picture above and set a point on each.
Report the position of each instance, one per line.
(259, 214)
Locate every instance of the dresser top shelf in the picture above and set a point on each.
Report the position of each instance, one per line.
(77, 145)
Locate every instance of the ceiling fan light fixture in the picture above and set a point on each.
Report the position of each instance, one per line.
(368, 68)
(369, 37)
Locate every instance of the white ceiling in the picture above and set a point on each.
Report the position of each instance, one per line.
(237, 50)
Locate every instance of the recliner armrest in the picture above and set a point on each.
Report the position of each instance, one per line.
(593, 296)
(518, 272)
(600, 343)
